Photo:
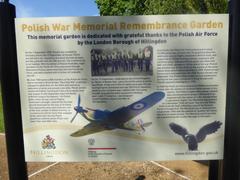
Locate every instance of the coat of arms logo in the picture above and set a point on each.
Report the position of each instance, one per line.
(48, 143)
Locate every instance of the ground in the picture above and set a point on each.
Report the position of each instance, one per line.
(145, 170)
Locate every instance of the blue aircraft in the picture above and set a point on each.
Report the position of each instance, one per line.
(101, 120)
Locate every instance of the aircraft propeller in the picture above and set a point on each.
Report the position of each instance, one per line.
(78, 108)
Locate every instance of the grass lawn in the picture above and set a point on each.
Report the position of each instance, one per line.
(1, 115)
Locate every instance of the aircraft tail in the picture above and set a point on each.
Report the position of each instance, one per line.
(138, 125)
(147, 124)
(141, 125)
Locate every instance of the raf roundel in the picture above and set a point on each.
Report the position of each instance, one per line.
(138, 106)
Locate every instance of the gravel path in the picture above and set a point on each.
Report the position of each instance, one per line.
(145, 170)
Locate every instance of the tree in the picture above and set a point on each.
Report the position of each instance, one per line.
(209, 6)
(147, 7)
(121, 7)
(166, 7)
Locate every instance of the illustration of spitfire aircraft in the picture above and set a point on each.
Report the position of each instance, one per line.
(101, 120)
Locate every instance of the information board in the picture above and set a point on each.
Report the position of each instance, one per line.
(123, 88)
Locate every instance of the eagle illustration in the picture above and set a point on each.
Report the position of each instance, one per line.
(191, 139)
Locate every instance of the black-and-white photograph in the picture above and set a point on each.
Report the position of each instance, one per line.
(122, 62)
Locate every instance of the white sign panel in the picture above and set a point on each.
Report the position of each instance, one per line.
(123, 88)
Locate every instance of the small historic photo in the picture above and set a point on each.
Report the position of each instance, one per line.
(122, 62)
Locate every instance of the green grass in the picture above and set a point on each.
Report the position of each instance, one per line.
(1, 115)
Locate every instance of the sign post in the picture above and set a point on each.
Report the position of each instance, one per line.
(10, 93)
(231, 167)
(215, 170)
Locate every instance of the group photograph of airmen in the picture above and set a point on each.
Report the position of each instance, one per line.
(125, 62)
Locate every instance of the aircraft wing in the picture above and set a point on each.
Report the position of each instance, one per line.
(90, 128)
(144, 104)
(118, 117)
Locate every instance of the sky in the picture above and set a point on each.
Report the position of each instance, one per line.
(55, 8)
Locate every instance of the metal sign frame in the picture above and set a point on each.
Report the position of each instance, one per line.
(10, 93)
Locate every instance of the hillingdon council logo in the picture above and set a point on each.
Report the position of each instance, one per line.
(48, 143)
